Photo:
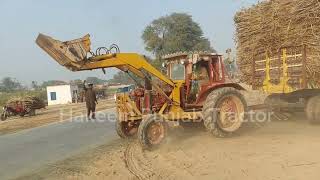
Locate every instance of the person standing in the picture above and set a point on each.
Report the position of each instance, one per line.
(91, 100)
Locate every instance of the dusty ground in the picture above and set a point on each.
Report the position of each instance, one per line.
(49, 115)
(272, 150)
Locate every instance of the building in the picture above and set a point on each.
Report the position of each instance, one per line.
(62, 94)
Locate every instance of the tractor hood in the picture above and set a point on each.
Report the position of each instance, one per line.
(70, 54)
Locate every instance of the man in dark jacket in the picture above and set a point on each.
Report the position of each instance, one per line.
(91, 100)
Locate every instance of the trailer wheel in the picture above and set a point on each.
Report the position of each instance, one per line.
(32, 112)
(22, 114)
(3, 117)
(152, 131)
(312, 110)
(223, 111)
(127, 129)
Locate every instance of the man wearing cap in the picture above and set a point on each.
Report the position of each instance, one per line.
(91, 100)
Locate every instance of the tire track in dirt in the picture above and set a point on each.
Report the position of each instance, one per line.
(137, 163)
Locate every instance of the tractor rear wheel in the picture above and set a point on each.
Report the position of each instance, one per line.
(127, 129)
(223, 111)
(152, 131)
(312, 110)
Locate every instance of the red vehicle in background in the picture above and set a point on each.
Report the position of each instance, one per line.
(22, 107)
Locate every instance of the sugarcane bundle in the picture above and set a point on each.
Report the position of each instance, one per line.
(270, 25)
(27, 102)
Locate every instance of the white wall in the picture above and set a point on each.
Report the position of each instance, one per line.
(63, 94)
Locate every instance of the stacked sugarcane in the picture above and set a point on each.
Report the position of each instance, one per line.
(272, 24)
(28, 102)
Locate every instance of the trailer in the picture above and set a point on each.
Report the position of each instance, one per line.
(286, 76)
(21, 107)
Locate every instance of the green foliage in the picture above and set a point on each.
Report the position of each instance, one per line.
(53, 83)
(170, 34)
(34, 85)
(77, 82)
(122, 78)
(95, 80)
(9, 84)
(173, 33)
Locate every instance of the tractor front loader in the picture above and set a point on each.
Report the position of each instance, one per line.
(193, 91)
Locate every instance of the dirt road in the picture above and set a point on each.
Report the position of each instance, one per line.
(51, 114)
(28, 150)
(272, 150)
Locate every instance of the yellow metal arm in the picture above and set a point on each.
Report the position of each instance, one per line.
(132, 62)
(73, 55)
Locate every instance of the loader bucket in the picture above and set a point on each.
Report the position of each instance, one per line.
(70, 54)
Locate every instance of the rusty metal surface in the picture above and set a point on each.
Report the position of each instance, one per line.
(70, 54)
(189, 56)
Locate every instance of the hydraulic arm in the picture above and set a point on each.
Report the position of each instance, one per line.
(73, 55)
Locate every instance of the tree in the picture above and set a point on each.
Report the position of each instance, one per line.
(174, 33)
(9, 84)
(53, 83)
(95, 80)
(170, 34)
(34, 85)
(77, 82)
(122, 78)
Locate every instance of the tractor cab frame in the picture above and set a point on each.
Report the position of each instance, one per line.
(187, 67)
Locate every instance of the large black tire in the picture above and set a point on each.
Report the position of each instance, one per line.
(125, 131)
(213, 114)
(151, 126)
(312, 110)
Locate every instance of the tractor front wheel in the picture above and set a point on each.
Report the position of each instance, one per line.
(152, 131)
(224, 111)
(127, 129)
(312, 110)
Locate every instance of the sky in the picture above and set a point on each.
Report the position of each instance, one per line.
(107, 21)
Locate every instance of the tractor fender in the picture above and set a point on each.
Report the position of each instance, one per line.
(203, 94)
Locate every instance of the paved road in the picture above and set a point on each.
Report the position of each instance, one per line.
(28, 150)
